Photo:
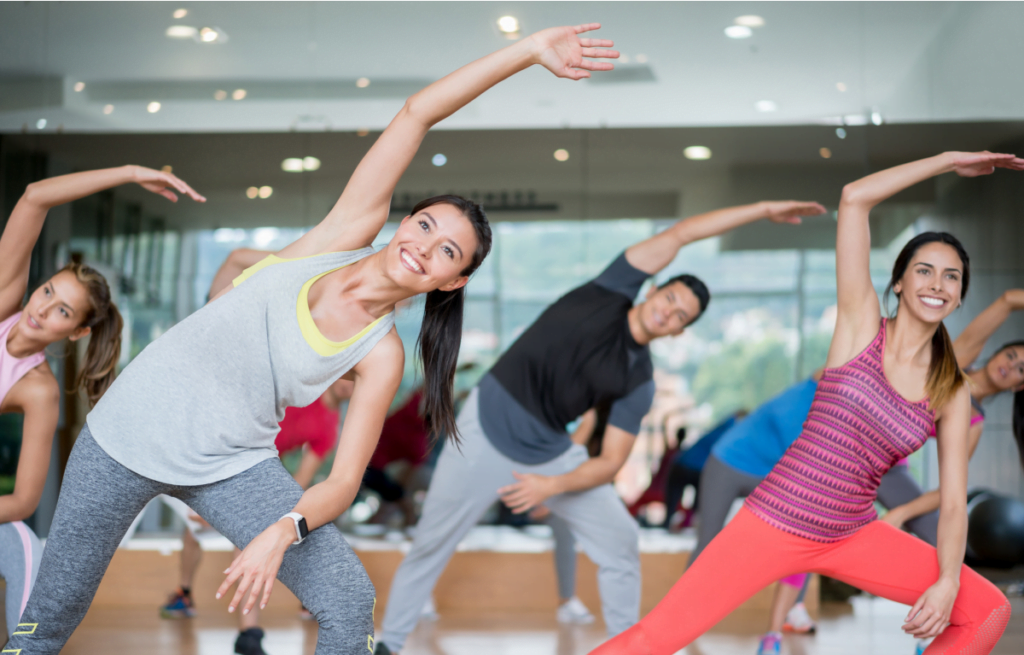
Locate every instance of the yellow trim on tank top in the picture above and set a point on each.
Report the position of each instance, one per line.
(269, 260)
(311, 333)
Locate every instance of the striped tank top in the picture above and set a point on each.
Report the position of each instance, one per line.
(859, 427)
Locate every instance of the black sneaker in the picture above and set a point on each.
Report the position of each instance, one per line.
(380, 649)
(249, 642)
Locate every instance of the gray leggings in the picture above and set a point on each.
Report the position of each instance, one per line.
(20, 552)
(100, 497)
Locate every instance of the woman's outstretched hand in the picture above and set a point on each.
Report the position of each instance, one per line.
(930, 614)
(790, 211)
(562, 52)
(162, 183)
(973, 164)
(255, 568)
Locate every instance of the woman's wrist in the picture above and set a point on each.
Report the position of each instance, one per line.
(284, 534)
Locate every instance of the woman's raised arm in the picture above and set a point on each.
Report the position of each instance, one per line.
(26, 221)
(859, 311)
(970, 342)
(361, 211)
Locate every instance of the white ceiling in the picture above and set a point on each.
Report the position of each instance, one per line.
(911, 62)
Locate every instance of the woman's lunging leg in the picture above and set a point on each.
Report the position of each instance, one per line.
(20, 552)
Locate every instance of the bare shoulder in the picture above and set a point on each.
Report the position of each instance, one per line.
(387, 357)
(38, 389)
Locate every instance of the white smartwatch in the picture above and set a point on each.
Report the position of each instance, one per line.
(300, 526)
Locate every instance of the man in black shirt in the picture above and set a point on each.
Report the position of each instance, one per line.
(588, 348)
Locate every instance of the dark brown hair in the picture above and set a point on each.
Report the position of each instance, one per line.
(105, 323)
(441, 330)
(1018, 407)
(945, 376)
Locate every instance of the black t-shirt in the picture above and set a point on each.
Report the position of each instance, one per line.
(577, 354)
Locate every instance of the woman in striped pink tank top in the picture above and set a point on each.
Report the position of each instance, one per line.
(887, 385)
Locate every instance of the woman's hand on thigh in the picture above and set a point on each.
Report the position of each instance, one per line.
(930, 614)
(255, 568)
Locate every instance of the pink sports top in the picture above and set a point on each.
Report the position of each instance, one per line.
(825, 485)
(12, 368)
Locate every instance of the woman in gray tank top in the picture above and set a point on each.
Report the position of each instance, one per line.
(320, 309)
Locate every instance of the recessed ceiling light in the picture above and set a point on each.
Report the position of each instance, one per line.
(841, 133)
(181, 32)
(41, 123)
(623, 58)
(508, 24)
(153, 107)
(825, 153)
(108, 109)
(438, 160)
(292, 165)
(363, 82)
(208, 35)
(738, 31)
(79, 87)
(252, 192)
(266, 191)
(641, 58)
(363, 131)
(697, 153)
(220, 94)
(876, 118)
(180, 13)
(749, 21)
(765, 105)
(310, 163)
(238, 94)
(841, 87)
(562, 154)
(855, 119)
(167, 169)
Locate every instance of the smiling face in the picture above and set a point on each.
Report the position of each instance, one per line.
(56, 310)
(1006, 368)
(668, 310)
(931, 287)
(431, 249)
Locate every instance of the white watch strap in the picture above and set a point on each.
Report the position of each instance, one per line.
(295, 517)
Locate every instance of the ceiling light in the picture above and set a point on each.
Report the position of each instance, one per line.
(749, 21)
(825, 153)
(167, 169)
(238, 94)
(855, 119)
(108, 109)
(641, 59)
(562, 154)
(841, 87)
(738, 31)
(266, 191)
(208, 35)
(363, 82)
(220, 94)
(310, 163)
(41, 123)
(876, 118)
(765, 105)
(697, 153)
(79, 87)
(363, 131)
(180, 13)
(508, 24)
(181, 32)
(292, 165)
(252, 192)
(624, 59)
(841, 133)
(438, 160)
(153, 107)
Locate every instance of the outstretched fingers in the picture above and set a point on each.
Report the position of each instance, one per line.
(183, 187)
(586, 27)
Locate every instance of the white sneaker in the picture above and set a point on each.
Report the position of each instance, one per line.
(429, 612)
(575, 612)
(798, 620)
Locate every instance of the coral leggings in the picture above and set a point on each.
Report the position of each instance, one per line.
(748, 554)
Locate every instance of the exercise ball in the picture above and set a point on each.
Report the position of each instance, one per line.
(995, 529)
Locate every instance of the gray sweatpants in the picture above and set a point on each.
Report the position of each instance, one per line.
(466, 483)
(565, 556)
(99, 499)
(20, 553)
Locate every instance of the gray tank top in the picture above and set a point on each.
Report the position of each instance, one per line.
(203, 401)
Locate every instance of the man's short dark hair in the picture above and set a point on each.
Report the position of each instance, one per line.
(695, 285)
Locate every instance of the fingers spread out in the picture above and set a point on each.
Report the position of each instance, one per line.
(586, 64)
(597, 43)
(586, 27)
(170, 195)
(600, 53)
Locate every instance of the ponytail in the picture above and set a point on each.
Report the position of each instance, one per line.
(441, 331)
(945, 377)
(1018, 423)
(105, 325)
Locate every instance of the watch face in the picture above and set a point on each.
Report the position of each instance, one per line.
(303, 530)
